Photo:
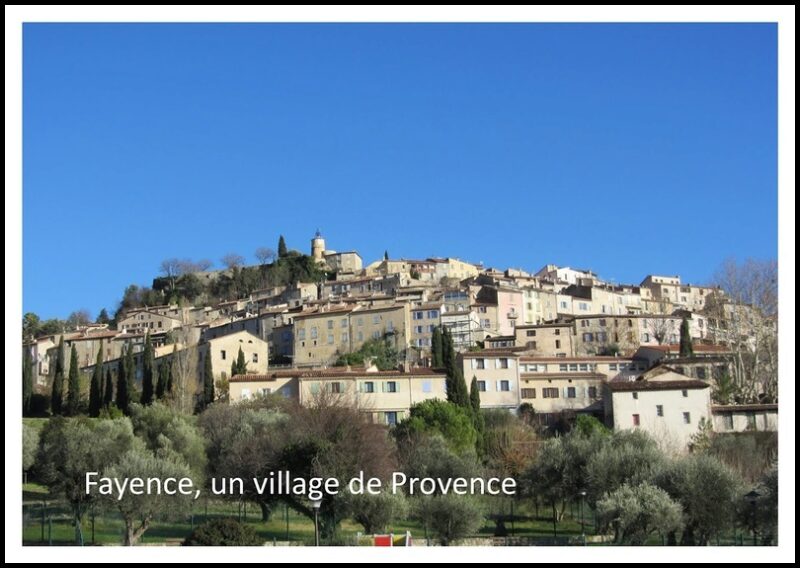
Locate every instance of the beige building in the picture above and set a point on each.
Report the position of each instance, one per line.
(321, 335)
(386, 396)
(343, 262)
(424, 318)
(146, 320)
(547, 340)
(497, 373)
(668, 289)
(745, 418)
(668, 406)
(464, 327)
(225, 350)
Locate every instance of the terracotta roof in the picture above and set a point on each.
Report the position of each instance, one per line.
(90, 336)
(459, 313)
(320, 312)
(333, 373)
(743, 408)
(631, 386)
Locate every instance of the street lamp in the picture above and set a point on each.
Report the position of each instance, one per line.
(583, 527)
(316, 503)
(752, 498)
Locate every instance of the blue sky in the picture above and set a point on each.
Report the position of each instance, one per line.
(627, 149)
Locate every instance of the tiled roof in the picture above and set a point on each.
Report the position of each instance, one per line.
(333, 373)
(587, 359)
(718, 409)
(630, 386)
(563, 376)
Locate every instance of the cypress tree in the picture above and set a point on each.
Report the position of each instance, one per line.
(27, 381)
(108, 392)
(474, 396)
(57, 399)
(74, 394)
(163, 378)
(171, 369)
(208, 379)
(456, 386)
(239, 367)
(123, 396)
(282, 247)
(437, 361)
(148, 363)
(96, 386)
(130, 376)
(386, 255)
(686, 349)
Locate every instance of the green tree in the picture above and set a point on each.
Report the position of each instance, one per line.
(102, 317)
(282, 250)
(449, 517)
(138, 511)
(376, 512)
(108, 391)
(223, 532)
(171, 435)
(30, 446)
(686, 340)
(208, 378)
(475, 396)
(636, 512)
(27, 381)
(30, 326)
(70, 447)
(381, 352)
(163, 378)
(57, 398)
(437, 356)
(238, 367)
(725, 390)
(432, 416)
(386, 255)
(456, 386)
(74, 394)
(123, 398)
(148, 370)
(707, 490)
(96, 386)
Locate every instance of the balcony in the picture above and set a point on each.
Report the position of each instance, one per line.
(512, 315)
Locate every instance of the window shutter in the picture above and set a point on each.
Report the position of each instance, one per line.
(381, 418)
(566, 392)
(383, 387)
(401, 414)
(497, 385)
(510, 385)
(474, 363)
(397, 386)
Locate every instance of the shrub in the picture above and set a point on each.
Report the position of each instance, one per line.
(223, 532)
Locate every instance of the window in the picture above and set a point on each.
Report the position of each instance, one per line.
(685, 393)
(391, 386)
(592, 392)
(531, 333)
(558, 344)
(701, 372)
(368, 387)
(602, 323)
(427, 386)
(636, 421)
(223, 355)
(418, 328)
(480, 363)
(564, 305)
(728, 420)
(751, 421)
(245, 394)
(557, 332)
(528, 393)
(645, 338)
(584, 323)
(549, 393)
(335, 388)
(255, 357)
(687, 417)
(314, 332)
(505, 386)
(360, 336)
(659, 410)
(360, 321)
(330, 324)
(301, 334)
(160, 324)
(583, 367)
(419, 315)
(573, 367)
(562, 367)
(345, 337)
(503, 363)
(587, 337)
(330, 339)
(583, 306)
(433, 314)
(486, 324)
(571, 392)
(376, 335)
(482, 309)
(635, 395)
(482, 386)
(602, 337)
(344, 323)
(376, 319)
(391, 418)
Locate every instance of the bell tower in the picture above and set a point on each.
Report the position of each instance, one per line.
(318, 247)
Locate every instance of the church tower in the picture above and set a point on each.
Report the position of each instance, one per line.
(318, 247)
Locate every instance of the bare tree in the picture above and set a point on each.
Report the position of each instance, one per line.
(171, 268)
(232, 260)
(204, 264)
(744, 316)
(185, 368)
(265, 255)
(78, 318)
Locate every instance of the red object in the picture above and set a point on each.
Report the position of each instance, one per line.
(382, 540)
